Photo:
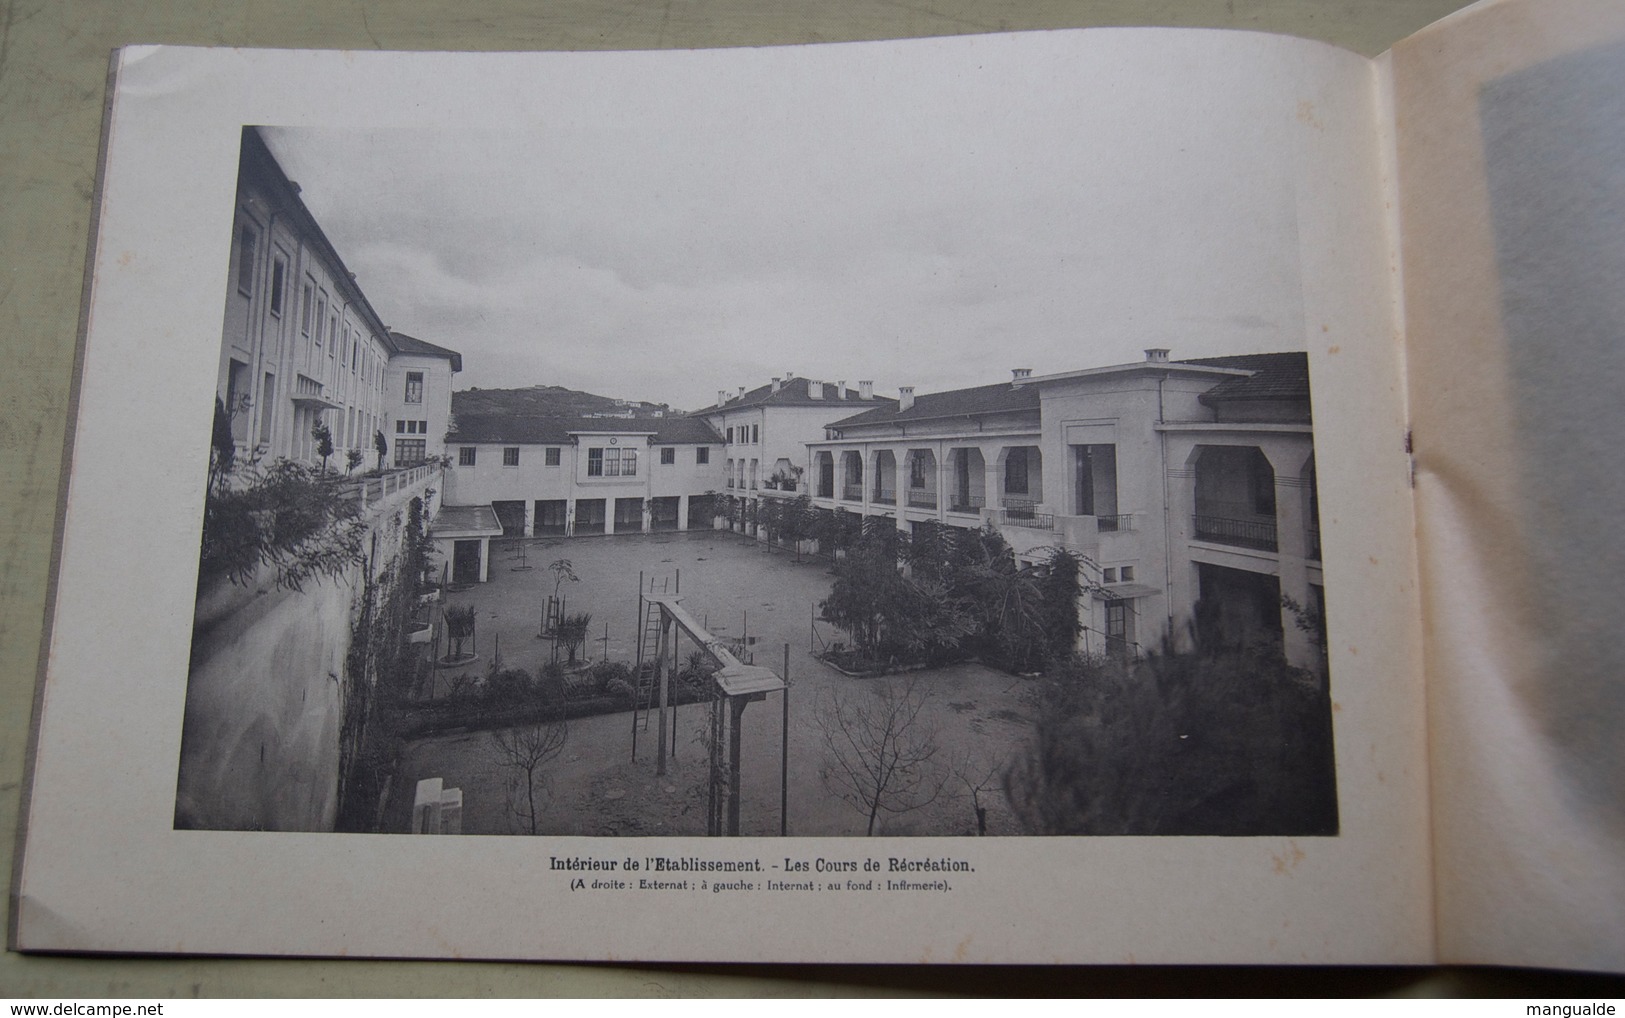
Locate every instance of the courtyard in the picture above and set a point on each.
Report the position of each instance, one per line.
(977, 718)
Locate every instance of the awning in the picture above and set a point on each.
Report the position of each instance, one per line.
(1124, 591)
(465, 521)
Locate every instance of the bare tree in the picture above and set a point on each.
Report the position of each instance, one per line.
(979, 775)
(525, 753)
(880, 750)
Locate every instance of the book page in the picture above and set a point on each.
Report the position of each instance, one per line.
(1511, 129)
(1172, 238)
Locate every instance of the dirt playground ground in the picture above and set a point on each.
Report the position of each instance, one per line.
(739, 589)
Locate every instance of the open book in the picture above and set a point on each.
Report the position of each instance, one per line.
(1330, 686)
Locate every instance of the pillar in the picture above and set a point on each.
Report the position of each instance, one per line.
(1292, 542)
(530, 517)
(682, 512)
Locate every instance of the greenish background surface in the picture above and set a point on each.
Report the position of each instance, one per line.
(53, 68)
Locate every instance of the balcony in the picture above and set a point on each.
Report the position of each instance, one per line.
(1116, 524)
(1029, 518)
(1313, 542)
(852, 493)
(1019, 508)
(309, 392)
(1227, 523)
(971, 504)
(922, 499)
(884, 498)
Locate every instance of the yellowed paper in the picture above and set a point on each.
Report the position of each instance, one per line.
(1511, 138)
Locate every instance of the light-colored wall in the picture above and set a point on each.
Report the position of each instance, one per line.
(282, 346)
(435, 407)
(264, 701)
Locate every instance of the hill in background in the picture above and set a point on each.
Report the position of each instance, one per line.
(553, 401)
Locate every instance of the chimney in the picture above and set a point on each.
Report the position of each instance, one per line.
(840, 389)
(741, 392)
(775, 383)
(815, 390)
(1157, 355)
(722, 396)
(866, 390)
(905, 397)
(1017, 374)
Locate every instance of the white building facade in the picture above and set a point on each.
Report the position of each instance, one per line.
(1187, 487)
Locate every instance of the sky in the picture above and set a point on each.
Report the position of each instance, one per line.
(662, 230)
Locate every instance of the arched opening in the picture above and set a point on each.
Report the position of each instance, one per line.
(1235, 497)
(885, 478)
(967, 490)
(851, 477)
(921, 466)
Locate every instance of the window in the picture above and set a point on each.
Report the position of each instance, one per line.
(409, 451)
(332, 335)
(730, 436)
(247, 242)
(306, 307)
(510, 456)
(551, 457)
(916, 472)
(668, 455)
(702, 455)
(612, 463)
(1128, 574)
(465, 456)
(279, 269)
(1109, 575)
(400, 427)
(755, 433)
(266, 404)
(414, 387)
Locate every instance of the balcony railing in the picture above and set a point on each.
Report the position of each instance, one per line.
(1115, 524)
(372, 490)
(922, 499)
(884, 498)
(1256, 533)
(1314, 543)
(1019, 508)
(966, 503)
(1029, 518)
(852, 492)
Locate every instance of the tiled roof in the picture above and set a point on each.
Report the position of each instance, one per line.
(795, 392)
(1275, 376)
(982, 399)
(413, 345)
(514, 430)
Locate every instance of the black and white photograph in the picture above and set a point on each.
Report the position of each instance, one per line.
(806, 471)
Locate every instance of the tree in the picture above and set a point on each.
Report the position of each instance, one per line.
(352, 459)
(880, 750)
(324, 442)
(459, 626)
(573, 632)
(888, 614)
(562, 570)
(286, 517)
(525, 753)
(381, 446)
(222, 446)
(796, 521)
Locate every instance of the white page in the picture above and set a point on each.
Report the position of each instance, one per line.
(105, 871)
(1509, 156)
